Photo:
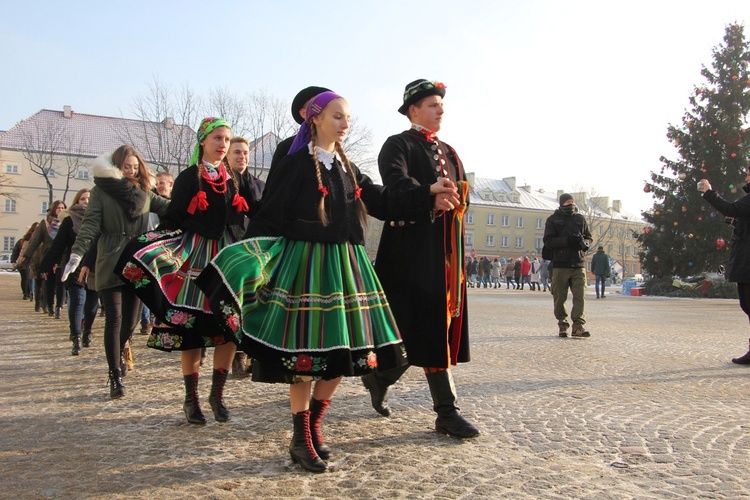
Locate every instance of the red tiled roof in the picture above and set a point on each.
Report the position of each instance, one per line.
(92, 135)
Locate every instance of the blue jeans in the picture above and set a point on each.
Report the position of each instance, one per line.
(600, 278)
(82, 308)
(145, 314)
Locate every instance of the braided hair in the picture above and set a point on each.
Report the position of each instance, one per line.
(361, 208)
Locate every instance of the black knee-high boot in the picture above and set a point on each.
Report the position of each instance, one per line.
(301, 448)
(743, 360)
(317, 410)
(449, 420)
(191, 407)
(378, 382)
(216, 398)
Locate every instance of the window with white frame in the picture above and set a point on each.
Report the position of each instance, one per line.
(470, 217)
(469, 239)
(519, 221)
(504, 242)
(600, 230)
(519, 241)
(538, 242)
(12, 169)
(539, 223)
(10, 205)
(8, 243)
(506, 220)
(45, 207)
(609, 248)
(83, 174)
(490, 240)
(621, 249)
(490, 219)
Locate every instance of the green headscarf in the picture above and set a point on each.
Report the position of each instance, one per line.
(206, 127)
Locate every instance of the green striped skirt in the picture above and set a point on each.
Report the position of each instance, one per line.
(162, 267)
(304, 309)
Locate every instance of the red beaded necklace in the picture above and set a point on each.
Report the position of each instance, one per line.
(217, 186)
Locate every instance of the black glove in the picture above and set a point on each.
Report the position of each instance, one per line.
(575, 240)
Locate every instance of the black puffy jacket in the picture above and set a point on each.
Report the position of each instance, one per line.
(559, 230)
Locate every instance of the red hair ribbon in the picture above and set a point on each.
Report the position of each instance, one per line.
(323, 190)
(199, 201)
(358, 192)
(240, 203)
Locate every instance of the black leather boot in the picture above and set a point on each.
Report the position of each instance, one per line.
(216, 398)
(317, 410)
(301, 448)
(191, 407)
(76, 344)
(87, 338)
(742, 360)
(116, 388)
(378, 382)
(449, 420)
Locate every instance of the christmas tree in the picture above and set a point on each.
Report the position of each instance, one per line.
(686, 235)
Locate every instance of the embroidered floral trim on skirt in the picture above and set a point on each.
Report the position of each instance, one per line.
(162, 267)
(304, 309)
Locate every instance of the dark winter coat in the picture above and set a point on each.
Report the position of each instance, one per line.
(212, 222)
(600, 263)
(290, 203)
(39, 243)
(412, 253)
(59, 252)
(569, 238)
(739, 245)
(106, 216)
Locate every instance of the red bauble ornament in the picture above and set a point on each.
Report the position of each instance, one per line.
(720, 243)
(646, 188)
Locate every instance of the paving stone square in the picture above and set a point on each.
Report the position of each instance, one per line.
(649, 407)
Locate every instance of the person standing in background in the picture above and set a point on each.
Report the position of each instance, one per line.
(567, 236)
(600, 268)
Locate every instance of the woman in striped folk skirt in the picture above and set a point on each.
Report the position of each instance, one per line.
(207, 212)
(300, 294)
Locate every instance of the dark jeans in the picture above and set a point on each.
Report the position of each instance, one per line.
(54, 289)
(82, 307)
(39, 293)
(600, 278)
(24, 281)
(90, 308)
(122, 309)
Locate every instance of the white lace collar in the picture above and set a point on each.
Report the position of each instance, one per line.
(324, 157)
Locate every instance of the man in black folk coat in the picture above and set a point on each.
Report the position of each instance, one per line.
(416, 253)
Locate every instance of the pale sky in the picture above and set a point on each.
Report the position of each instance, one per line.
(561, 95)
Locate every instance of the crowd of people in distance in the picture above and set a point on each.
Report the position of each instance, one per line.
(514, 273)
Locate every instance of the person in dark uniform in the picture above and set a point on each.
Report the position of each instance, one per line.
(427, 293)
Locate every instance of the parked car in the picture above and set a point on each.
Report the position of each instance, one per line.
(5, 264)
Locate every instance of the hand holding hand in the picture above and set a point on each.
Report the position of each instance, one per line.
(446, 195)
(75, 259)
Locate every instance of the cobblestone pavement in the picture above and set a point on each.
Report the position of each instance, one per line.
(649, 407)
